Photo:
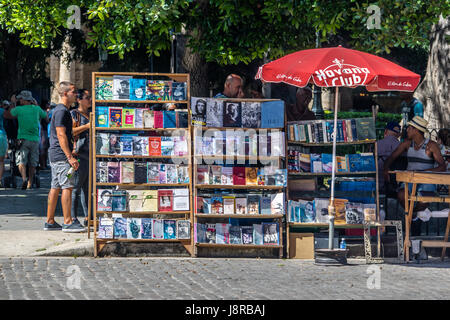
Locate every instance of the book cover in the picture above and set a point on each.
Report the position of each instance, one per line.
(165, 200)
(269, 175)
(340, 131)
(327, 162)
(115, 117)
(251, 144)
(104, 199)
(324, 131)
(162, 173)
(253, 203)
(126, 172)
(316, 162)
(154, 146)
(167, 146)
(180, 146)
(206, 205)
(202, 174)
(179, 91)
(235, 235)
(153, 172)
(355, 163)
(149, 119)
(307, 213)
(277, 141)
(198, 111)
(114, 144)
(140, 172)
(155, 90)
(150, 200)
(120, 228)
(344, 130)
(241, 205)
(102, 143)
(180, 199)
(183, 229)
(321, 209)
(210, 233)
(370, 212)
(105, 228)
(294, 211)
(222, 233)
(354, 213)
(272, 114)
(200, 230)
(251, 176)
(339, 205)
(169, 119)
(139, 118)
(101, 117)
(128, 117)
(126, 145)
(119, 201)
(281, 177)
(167, 91)
(158, 229)
(348, 128)
(146, 228)
(341, 164)
(183, 174)
(134, 228)
(140, 146)
(171, 174)
(365, 128)
(239, 176)
(227, 176)
(232, 114)
(158, 119)
(261, 177)
(182, 118)
(266, 204)
(305, 162)
(214, 113)
(247, 234)
(251, 115)
(135, 200)
(216, 205)
(101, 171)
(216, 175)
(104, 88)
(207, 146)
(258, 234)
(113, 172)
(170, 229)
(368, 161)
(228, 204)
(270, 230)
(137, 89)
(353, 127)
(277, 203)
(121, 87)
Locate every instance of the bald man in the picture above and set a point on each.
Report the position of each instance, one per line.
(232, 87)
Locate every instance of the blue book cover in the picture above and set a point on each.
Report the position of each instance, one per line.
(340, 129)
(179, 91)
(119, 201)
(126, 145)
(102, 117)
(327, 162)
(354, 162)
(272, 114)
(367, 162)
(354, 132)
(120, 228)
(137, 89)
(170, 229)
(307, 212)
(316, 158)
(169, 119)
(266, 202)
(146, 228)
(206, 205)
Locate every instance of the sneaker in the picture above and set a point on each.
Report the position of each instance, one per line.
(76, 221)
(85, 223)
(51, 227)
(72, 228)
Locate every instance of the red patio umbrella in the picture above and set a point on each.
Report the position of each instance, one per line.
(338, 67)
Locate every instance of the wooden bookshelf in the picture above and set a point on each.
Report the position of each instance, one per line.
(307, 144)
(222, 186)
(181, 77)
(239, 216)
(249, 246)
(313, 174)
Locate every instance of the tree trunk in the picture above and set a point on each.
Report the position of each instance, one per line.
(434, 89)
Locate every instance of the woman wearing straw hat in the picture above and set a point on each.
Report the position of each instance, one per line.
(423, 155)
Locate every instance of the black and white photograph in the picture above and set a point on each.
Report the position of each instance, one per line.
(214, 113)
(121, 87)
(232, 114)
(198, 107)
(270, 231)
(251, 115)
(104, 202)
(183, 229)
(114, 144)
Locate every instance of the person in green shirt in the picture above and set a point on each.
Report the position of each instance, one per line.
(28, 117)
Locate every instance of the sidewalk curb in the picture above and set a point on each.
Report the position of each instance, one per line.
(83, 249)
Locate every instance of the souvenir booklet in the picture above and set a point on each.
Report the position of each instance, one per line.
(120, 228)
(134, 228)
(121, 87)
(105, 228)
(170, 229)
(137, 89)
(183, 229)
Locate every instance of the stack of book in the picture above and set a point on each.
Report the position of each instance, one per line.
(318, 163)
(220, 113)
(142, 118)
(136, 172)
(143, 228)
(244, 176)
(320, 131)
(120, 87)
(253, 204)
(266, 233)
(162, 200)
(135, 145)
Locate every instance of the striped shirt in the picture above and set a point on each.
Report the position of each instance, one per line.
(418, 160)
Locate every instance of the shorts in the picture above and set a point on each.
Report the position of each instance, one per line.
(3, 144)
(28, 153)
(59, 175)
(421, 187)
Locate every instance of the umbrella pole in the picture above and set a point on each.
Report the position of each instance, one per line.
(331, 208)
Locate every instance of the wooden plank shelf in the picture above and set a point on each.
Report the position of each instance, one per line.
(140, 101)
(143, 212)
(250, 246)
(240, 216)
(138, 129)
(104, 184)
(142, 240)
(324, 225)
(234, 128)
(321, 144)
(224, 157)
(312, 174)
(140, 157)
(219, 186)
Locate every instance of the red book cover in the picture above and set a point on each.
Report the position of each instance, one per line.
(154, 146)
(239, 176)
(344, 128)
(165, 200)
(159, 119)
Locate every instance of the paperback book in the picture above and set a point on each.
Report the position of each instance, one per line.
(232, 114)
(214, 113)
(120, 228)
(119, 201)
(121, 87)
(170, 229)
(179, 91)
(114, 144)
(153, 173)
(140, 172)
(101, 117)
(146, 228)
(104, 200)
(126, 172)
(222, 233)
(104, 88)
(101, 171)
(105, 228)
(102, 144)
(198, 109)
(126, 145)
(115, 117)
(165, 200)
(183, 229)
(247, 234)
(134, 228)
(140, 146)
(251, 115)
(241, 205)
(137, 89)
(150, 200)
(158, 229)
(258, 234)
(235, 234)
(128, 117)
(113, 172)
(210, 233)
(270, 230)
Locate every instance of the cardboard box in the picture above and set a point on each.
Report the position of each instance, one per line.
(301, 245)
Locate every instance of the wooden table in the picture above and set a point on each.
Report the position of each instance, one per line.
(426, 177)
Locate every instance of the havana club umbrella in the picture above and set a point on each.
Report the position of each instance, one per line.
(338, 67)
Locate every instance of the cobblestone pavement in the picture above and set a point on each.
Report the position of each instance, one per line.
(186, 278)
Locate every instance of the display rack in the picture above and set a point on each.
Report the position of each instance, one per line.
(99, 243)
(252, 161)
(293, 195)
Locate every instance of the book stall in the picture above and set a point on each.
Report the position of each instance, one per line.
(140, 166)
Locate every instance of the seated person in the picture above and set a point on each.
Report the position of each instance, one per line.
(423, 155)
(386, 146)
(443, 139)
(299, 110)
